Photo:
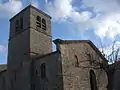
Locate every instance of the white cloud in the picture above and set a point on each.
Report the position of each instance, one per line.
(103, 6)
(109, 16)
(3, 48)
(62, 10)
(109, 26)
(105, 23)
(35, 3)
(10, 8)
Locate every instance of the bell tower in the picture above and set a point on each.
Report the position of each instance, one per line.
(30, 35)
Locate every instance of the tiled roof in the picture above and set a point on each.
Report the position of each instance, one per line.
(42, 56)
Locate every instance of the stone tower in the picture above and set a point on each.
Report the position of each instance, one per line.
(30, 35)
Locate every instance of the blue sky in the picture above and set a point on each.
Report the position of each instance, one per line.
(95, 20)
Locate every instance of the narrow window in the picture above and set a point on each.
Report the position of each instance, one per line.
(43, 24)
(90, 58)
(12, 81)
(43, 71)
(17, 25)
(93, 81)
(38, 21)
(36, 72)
(3, 82)
(14, 75)
(21, 23)
(76, 61)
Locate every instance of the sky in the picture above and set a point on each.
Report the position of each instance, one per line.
(95, 20)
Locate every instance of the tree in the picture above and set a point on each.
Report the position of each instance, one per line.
(113, 56)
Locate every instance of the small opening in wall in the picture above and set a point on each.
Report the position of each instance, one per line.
(36, 72)
(76, 61)
(15, 75)
(43, 71)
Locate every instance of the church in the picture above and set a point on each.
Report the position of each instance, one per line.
(32, 65)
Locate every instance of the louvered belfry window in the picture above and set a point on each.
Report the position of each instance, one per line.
(43, 24)
(38, 21)
(19, 25)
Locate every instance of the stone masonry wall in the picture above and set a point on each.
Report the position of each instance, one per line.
(53, 80)
(40, 40)
(78, 78)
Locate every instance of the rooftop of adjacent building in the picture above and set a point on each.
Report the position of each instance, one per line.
(3, 67)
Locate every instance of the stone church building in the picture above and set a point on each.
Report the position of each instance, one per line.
(32, 65)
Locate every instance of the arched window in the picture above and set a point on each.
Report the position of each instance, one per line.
(43, 70)
(38, 21)
(43, 24)
(93, 81)
(76, 61)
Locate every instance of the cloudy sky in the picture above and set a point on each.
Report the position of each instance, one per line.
(96, 20)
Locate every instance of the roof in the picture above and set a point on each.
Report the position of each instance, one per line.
(3, 67)
(59, 41)
(30, 6)
(42, 56)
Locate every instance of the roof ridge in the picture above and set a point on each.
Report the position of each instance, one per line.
(60, 41)
(3, 64)
(69, 41)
